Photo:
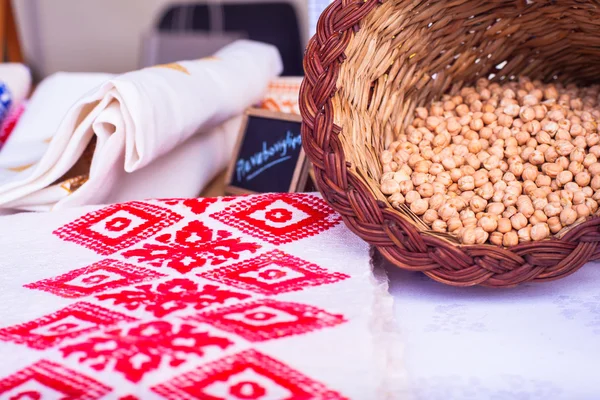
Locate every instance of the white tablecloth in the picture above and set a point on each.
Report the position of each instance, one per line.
(536, 341)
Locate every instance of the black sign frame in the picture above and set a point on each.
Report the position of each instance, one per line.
(299, 178)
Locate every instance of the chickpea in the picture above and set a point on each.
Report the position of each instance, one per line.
(552, 169)
(390, 187)
(454, 224)
(488, 223)
(455, 174)
(564, 177)
(495, 175)
(583, 178)
(496, 238)
(579, 197)
(412, 196)
(554, 224)
(447, 211)
(504, 225)
(405, 187)
(496, 208)
(543, 180)
(592, 205)
(466, 183)
(568, 216)
(536, 158)
(526, 208)
(530, 173)
(425, 190)
(396, 198)
(481, 236)
(498, 196)
(518, 221)
(510, 239)
(540, 231)
(524, 234)
(590, 160)
(582, 211)
(527, 113)
(538, 217)
(595, 183)
(552, 209)
(439, 226)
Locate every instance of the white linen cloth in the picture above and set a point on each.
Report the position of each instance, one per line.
(256, 297)
(535, 341)
(135, 119)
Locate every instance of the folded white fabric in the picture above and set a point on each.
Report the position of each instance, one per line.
(256, 297)
(134, 119)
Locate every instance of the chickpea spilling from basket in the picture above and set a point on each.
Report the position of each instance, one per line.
(503, 164)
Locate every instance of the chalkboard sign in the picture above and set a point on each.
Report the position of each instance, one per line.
(268, 156)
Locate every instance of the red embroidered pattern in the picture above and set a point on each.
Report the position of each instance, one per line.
(175, 295)
(192, 247)
(249, 375)
(280, 218)
(95, 278)
(138, 350)
(48, 378)
(267, 319)
(197, 206)
(68, 323)
(117, 227)
(273, 273)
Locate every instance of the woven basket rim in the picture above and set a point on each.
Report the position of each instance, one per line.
(344, 190)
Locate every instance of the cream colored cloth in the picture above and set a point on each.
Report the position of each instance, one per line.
(139, 119)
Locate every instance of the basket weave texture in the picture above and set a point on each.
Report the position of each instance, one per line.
(372, 63)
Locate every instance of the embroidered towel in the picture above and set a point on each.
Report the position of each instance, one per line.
(133, 119)
(255, 297)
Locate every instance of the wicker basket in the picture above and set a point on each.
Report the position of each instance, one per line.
(371, 63)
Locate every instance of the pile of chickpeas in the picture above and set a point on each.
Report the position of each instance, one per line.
(502, 164)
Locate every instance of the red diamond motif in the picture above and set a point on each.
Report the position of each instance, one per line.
(267, 319)
(280, 218)
(117, 227)
(273, 273)
(95, 278)
(68, 323)
(46, 379)
(249, 375)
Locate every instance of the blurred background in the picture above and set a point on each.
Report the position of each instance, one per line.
(121, 35)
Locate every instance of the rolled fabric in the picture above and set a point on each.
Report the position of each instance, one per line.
(132, 120)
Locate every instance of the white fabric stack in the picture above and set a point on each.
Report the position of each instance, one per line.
(143, 123)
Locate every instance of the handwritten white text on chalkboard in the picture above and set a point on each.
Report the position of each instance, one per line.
(268, 157)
